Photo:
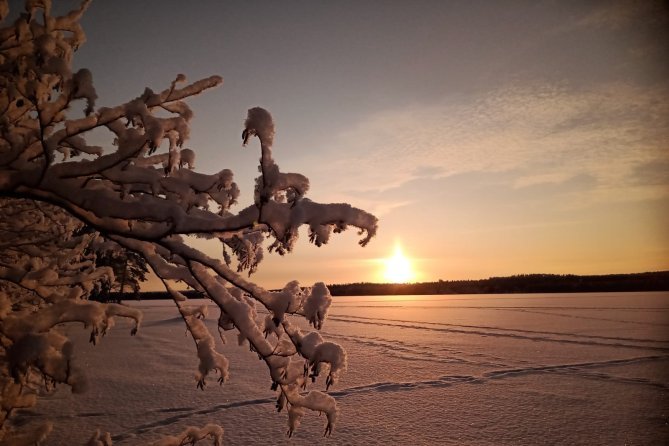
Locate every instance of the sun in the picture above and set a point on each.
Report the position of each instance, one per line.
(398, 268)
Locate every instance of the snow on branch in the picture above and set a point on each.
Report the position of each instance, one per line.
(65, 202)
(192, 435)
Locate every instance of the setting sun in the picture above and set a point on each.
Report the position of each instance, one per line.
(398, 268)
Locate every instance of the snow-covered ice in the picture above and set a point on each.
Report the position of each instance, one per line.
(478, 369)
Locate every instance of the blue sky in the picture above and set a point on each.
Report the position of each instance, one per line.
(490, 138)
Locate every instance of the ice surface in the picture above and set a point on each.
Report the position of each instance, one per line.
(423, 370)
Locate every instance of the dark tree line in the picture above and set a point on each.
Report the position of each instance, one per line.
(524, 283)
(519, 284)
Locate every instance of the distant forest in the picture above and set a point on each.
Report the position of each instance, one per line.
(524, 283)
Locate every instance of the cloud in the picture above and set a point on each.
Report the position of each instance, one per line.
(623, 13)
(652, 173)
(564, 180)
(548, 133)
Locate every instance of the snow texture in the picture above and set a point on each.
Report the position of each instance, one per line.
(557, 369)
(63, 199)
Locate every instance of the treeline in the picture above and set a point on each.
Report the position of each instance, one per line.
(524, 283)
(144, 295)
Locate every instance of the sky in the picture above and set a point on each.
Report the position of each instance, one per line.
(490, 138)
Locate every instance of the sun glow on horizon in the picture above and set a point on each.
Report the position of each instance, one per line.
(398, 268)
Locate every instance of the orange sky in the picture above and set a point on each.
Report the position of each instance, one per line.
(490, 138)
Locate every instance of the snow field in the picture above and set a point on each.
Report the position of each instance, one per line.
(484, 370)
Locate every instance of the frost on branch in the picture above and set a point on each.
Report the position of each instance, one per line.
(65, 201)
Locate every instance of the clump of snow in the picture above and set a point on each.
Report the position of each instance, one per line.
(314, 400)
(316, 305)
(82, 87)
(187, 159)
(330, 353)
(288, 300)
(259, 123)
(210, 359)
(100, 439)
(192, 435)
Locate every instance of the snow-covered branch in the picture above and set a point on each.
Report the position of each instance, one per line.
(64, 199)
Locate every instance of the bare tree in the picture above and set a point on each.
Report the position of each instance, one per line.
(144, 197)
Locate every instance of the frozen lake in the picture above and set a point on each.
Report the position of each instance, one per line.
(477, 369)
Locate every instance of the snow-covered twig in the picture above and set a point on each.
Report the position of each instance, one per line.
(140, 193)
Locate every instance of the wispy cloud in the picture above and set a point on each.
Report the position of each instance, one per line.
(551, 133)
(622, 13)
